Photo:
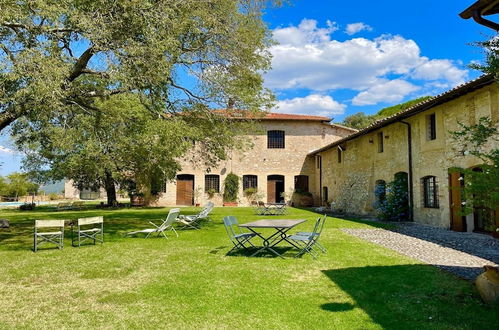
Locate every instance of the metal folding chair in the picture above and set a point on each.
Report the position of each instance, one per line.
(84, 232)
(317, 243)
(307, 242)
(236, 235)
(54, 237)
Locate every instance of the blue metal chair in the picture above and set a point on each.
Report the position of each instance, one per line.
(308, 241)
(319, 245)
(238, 237)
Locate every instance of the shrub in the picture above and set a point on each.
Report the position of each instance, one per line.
(392, 204)
(231, 187)
(27, 207)
(53, 196)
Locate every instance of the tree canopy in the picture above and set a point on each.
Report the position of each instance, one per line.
(360, 120)
(106, 92)
(60, 55)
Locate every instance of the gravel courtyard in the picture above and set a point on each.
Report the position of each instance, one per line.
(463, 254)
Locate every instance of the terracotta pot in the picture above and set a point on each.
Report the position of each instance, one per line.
(230, 204)
(488, 284)
(137, 200)
(306, 201)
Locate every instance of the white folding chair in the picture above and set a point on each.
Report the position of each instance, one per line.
(55, 237)
(84, 232)
(166, 225)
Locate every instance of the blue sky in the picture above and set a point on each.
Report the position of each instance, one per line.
(337, 58)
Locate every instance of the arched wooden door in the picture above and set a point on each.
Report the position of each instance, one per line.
(185, 189)
(275, 188)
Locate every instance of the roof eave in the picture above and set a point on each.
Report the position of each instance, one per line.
(435, 101)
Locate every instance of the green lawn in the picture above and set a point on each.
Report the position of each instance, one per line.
(190, 282)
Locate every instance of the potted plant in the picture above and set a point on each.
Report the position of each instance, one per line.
(304, 198)
(250, 194)
(211, 193)
(231, 189)
(137, 199)
(197, 195)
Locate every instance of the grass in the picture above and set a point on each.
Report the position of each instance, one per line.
(190, 282)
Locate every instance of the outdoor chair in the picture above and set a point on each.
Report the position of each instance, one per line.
(236, 235)
(55, 237)
(319, 245)
(77, 205)
(165, 226)
(307, 242)
(63, 206)
(260, 208)
(89, 229)
(192, 221)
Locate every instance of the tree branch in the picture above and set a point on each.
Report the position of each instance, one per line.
(6, 118)
(81, 64)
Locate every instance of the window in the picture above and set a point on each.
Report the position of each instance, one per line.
(325, 194)
(275, 139)
(212, 183)
(380, 142)
(301, 183)
(431, 127)
(250, 181)
(318, 161)
(339, 155)
(380, 191)
(163, 187)
(430, 191)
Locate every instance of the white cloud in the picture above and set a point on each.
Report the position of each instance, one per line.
(354, 28)
(439, 69)
(314, 104)
(309, 58)
(6, 150)
(388, 91)
(306, 32)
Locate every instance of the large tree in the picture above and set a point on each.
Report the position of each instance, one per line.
(60, 55)
(124, 145)
(66, 66)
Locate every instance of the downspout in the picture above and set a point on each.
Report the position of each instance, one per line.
(409, 155)
(320, 180)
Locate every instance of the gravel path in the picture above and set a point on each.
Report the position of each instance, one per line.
(463, 254)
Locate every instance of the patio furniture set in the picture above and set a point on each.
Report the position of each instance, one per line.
(92, 228)
(270, 208)
(304, 242)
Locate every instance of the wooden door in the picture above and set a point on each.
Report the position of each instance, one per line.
(271, 191)
(185, 190)
(457, 219)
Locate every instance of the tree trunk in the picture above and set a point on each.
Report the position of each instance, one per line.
(110, 190)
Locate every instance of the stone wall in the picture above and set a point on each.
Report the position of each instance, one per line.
(351, 183)
(301, 137)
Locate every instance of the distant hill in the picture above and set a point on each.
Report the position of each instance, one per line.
(360, 120)
(56, 187)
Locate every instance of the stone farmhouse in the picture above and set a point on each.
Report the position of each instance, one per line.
(343, 166)
(415, 144)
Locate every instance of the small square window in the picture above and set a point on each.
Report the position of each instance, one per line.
(275, 140)
(212, 183)
(431, 127)
(380, 142)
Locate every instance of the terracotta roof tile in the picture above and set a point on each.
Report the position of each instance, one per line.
(420, 107)
(269, 115)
